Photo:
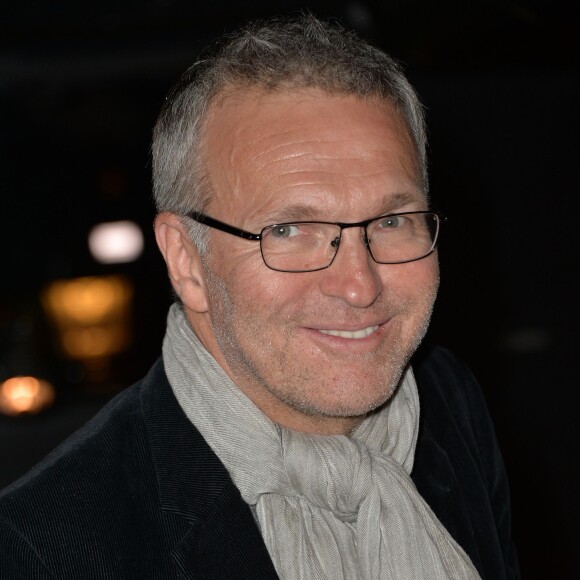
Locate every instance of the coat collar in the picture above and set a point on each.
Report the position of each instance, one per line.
(212, 529)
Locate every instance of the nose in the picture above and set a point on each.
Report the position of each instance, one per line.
(353, 276)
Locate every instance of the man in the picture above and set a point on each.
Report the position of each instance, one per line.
(285, 432)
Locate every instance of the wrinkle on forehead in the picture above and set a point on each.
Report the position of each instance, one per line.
(253, 153)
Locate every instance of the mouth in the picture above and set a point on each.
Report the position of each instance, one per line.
(356, 334)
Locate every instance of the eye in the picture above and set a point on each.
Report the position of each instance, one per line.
(392, 222)
(285, 231)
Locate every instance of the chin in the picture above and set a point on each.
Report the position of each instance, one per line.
(344, 403)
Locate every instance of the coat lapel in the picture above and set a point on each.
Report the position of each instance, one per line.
(226, 544)
(212, 530)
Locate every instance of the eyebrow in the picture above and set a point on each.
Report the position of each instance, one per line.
(290, 213)
(393, 203)
(305, 212)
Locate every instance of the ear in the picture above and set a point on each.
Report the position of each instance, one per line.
(183, 262)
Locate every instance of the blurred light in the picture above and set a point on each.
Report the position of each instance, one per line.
(526, 341)
(20, 395)
(116, 242)
(85, 300)
(91, 315)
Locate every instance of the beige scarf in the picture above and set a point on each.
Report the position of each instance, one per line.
(328, 507)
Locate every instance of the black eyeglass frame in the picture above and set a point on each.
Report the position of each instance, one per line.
(233, 230)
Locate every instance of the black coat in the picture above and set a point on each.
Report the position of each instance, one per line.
(137, 493)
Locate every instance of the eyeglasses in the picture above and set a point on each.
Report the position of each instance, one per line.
(309, 246)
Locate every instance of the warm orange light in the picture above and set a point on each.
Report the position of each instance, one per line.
(91, 315)
(86, 300)
(25, 395)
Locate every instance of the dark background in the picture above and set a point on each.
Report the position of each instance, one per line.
(80, 86)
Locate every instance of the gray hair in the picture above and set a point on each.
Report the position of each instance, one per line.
(272, 55)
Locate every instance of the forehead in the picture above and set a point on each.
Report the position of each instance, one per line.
(307, 148)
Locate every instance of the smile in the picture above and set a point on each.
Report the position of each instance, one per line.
(362, 333)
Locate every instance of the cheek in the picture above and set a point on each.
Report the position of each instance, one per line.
(430, 274)
(238, 271)
(259, 295)
(412, 282)
(412, 294)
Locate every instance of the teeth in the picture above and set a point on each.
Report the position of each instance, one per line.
(363, 333)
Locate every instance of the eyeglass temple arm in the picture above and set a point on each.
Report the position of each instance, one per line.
(213, 223)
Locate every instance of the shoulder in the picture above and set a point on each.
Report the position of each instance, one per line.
(90, 450)
(448, 388)
(437, 365)
(454, 414)
(136, 493)
(458, 465)
(68, 498)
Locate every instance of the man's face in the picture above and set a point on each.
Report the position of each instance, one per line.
(305, 155)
